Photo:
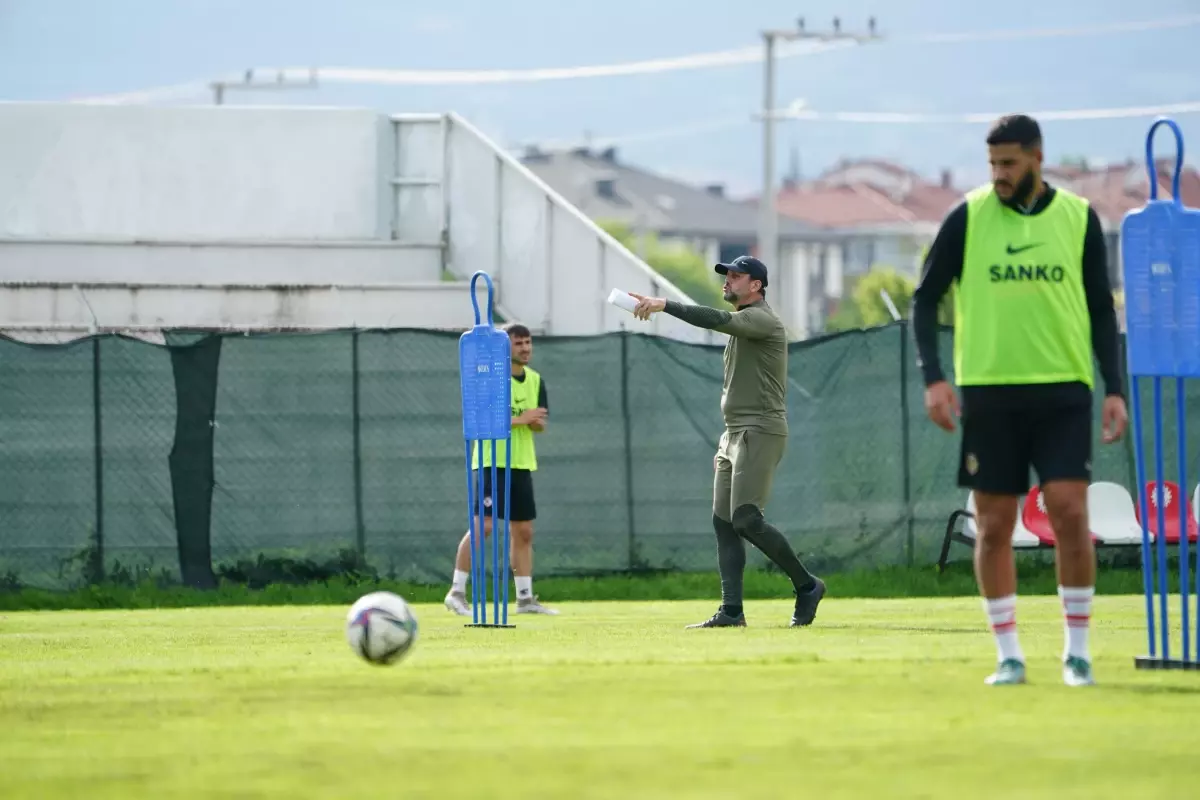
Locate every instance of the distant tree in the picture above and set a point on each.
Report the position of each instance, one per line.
(864, 307)
(870, 303)
(680, 265)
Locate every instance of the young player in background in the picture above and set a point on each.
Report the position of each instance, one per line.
(530, 408)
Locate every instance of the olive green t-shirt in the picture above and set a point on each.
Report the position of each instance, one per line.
(754, 390)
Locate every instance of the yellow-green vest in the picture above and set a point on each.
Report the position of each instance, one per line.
(1020, 311)
(524, 454)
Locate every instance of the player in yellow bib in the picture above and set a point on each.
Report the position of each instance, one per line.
(1032, 303)
(529, 409)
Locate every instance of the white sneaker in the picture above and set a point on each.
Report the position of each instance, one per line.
(530, 605)
(457, 602)
(1077, 672)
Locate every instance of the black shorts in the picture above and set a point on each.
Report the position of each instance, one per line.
(1009, 430)
(523, 509)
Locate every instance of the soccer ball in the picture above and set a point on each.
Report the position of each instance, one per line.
(381, 627)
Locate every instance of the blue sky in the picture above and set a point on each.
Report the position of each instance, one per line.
(63, 49)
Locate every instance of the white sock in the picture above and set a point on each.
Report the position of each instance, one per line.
(1077, 614)
(524, 587)
(460, 581)
(1002, 616)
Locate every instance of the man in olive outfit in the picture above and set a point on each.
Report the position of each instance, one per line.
(754, 405)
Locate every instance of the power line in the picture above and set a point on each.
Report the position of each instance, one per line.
(876, 117)
(722, 58)
(448, 77)
(908, 118)
(1162, 23)
(488, 76)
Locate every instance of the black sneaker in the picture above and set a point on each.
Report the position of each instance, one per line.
(722, 620)
(806, 605)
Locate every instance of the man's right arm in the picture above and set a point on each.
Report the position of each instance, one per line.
(750, 323)
(943, 266)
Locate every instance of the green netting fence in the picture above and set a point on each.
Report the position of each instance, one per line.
(173, 460)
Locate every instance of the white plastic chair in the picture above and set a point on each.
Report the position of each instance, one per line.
(1112, 514)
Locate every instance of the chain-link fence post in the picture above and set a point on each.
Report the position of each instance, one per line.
(360, 532)
(96, 571)
(627, 431)
(906, 448)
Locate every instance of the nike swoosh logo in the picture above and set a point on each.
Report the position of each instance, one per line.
(1012, 251)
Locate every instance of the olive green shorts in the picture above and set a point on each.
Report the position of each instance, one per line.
(745, 469)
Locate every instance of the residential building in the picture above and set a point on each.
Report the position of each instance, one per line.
(702, 217)
(1116, 189)
(887, 213)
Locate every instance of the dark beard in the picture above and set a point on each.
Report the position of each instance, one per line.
(1022, 193)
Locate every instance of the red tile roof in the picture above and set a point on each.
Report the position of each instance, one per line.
(1119, 188)
(868, 192)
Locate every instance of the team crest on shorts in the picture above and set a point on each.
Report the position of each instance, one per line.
(972, 464)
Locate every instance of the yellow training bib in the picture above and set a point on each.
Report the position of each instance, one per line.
(1020, 311)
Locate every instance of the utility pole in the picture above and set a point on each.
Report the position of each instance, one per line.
(251, 81)
(768, 238)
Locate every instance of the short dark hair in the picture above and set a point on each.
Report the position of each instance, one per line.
(518, 331)
(1019, 129)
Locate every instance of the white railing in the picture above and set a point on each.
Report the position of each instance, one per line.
(555, 266)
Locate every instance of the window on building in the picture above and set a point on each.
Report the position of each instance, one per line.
(728, 251)
(858, 254)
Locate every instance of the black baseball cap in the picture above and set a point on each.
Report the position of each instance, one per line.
(747, 264)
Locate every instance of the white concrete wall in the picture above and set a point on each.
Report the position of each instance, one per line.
(556, 265)
(144, 199)
(79, 307)
(70, 171)
(368, 263)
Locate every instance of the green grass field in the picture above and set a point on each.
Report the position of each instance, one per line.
(882, 698)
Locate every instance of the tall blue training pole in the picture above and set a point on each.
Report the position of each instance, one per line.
(485, 373)
(1160, 252)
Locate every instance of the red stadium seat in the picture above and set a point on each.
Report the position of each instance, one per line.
(1034, 516)
(1172, 498)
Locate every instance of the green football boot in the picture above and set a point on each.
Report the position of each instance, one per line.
(1009, 673)
(1077, 672)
